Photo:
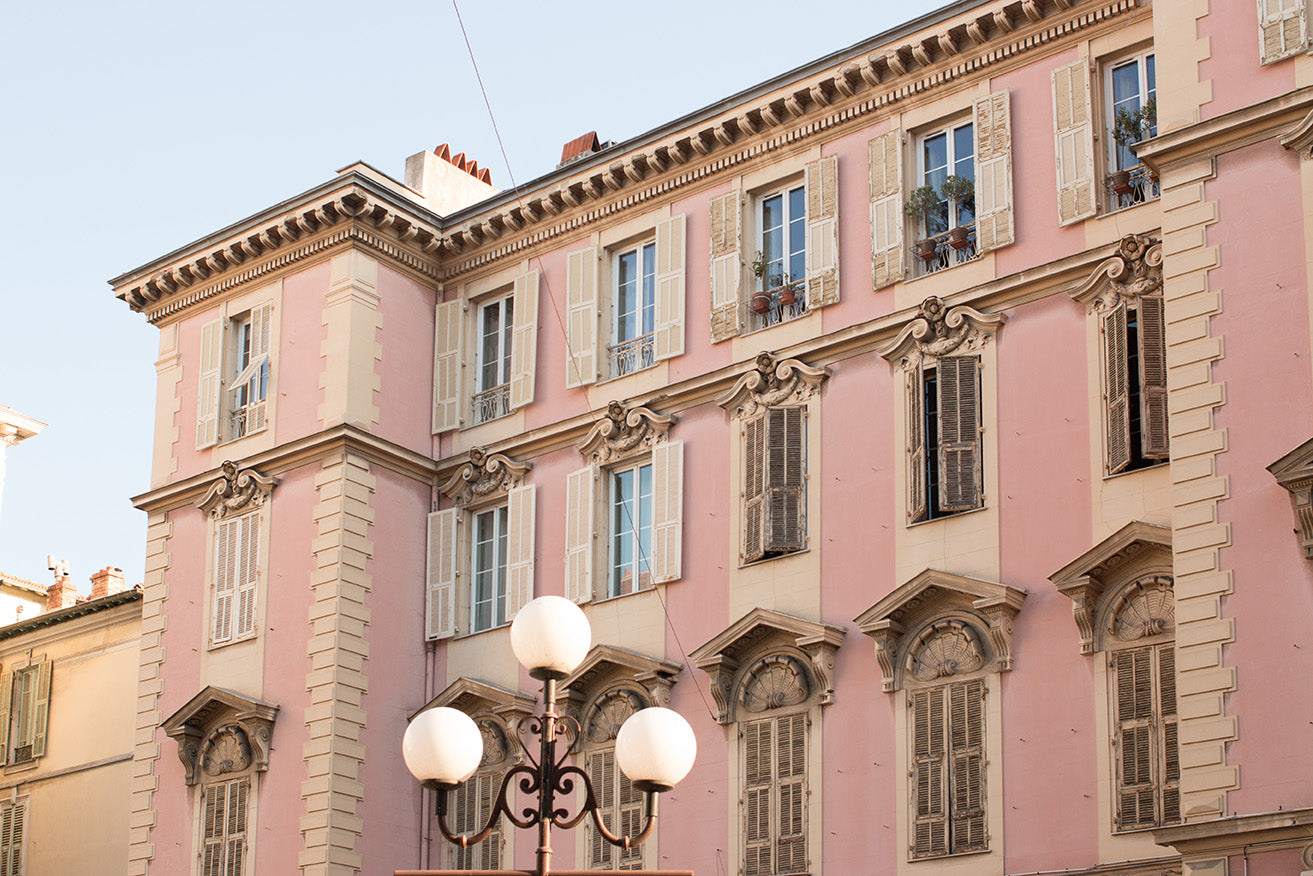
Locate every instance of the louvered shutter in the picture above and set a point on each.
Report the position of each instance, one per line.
(226, 561)
(235, 835)
(440, 575)
(1283, 30)
(966, 721)
(1116, 390)
(959, 433)
(524, 339)
(41, 707)
(1133, 683)
(670, 258)
(208, 386)
(11, 839)
(1170, 765)
(885, 155)
(579, 489)
(601, 769)
(6, 698)
(631, 820)
(822, 181)
(1073, 132)
(490, 848)
(581, 316)
(262, 319)
(758, 859)
(465, 813)
(791, 769)
(786, 471)
(246, 569)
(726, 265)
(667, 509)
(993, 128)
(929, 776)
(214, 818)
(916, 473)
(447, 364)
(1153, 378)
(754, 487)
(521, 503)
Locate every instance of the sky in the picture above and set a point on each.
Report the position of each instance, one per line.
(130, 129)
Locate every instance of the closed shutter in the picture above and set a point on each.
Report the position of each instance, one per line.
(929, 776)
(601, 774)
(447, 364)
(786, 471)
(1153, 378)
(754, 488)
(822, 181)
(966, 722)
(670, 258)
(1133, 686)
(214, 817)
(1116, 390)
(886, 170)
(12, 817)
(791, 768)
(758, 739)
(1073, 132)
(581, 317)
(993, 129)
(41, 707)
(916, 473)
(579, 489)
(1169, 744)
(1282, 29)
(246, 568)
(208, 387)
(6, 698)
(521, 503)
(235, 834)
(667, 509)
(631, 820)
(959, 433)
(490, 848)
(524, 339)
(262, 319)
(226, 561)
(440, 575)
(726, 265)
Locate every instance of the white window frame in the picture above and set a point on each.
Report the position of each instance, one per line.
(491, 401)
(235, 389)
(627, 355)
(1144, 188)
(640, 563)
(948, 256)
(497, 600)
(250, 381)
(780, 309)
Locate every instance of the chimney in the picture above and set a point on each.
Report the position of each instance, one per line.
(107, 581)
(580, 147)
(448, 182)
(61, 594)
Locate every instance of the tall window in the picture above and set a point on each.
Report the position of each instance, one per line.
(496, 325)
(948, 775)
(781, 262)
(25, 711)
(774, 483)
(631, 529)
(12, 819)
(232, 394)
(1130, 89)
(1135, 384)
(774, 758)
(944, 424)
(236, 578)
(620, 802)
(947, 153)
(223, 821)
(472, 803)
(488, 597)
(634, 310)
(251, 364)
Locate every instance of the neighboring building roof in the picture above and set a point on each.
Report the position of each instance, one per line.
(50, 618)
(7, 580)
(22, 427)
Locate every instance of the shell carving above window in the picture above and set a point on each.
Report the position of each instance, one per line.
(227, 752)
(495, 746)
(776, 682)
(949, 648)
(1146, 609)
(609, 713)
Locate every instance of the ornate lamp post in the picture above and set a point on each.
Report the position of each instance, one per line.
(442, 746)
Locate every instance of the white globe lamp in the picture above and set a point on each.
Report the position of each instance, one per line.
(655, 748)
(550, 637)
(442, 746)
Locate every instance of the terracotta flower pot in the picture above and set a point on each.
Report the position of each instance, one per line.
(788, 295)
(927, 249)
(761, 302)
(957, 238)
(1121, 182)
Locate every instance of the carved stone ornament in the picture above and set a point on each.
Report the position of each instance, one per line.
(496, 748)
(1299, 139)
(1294, 472)
(1144, 610)
(622, 431)
(220, 731)
(772, 381)
(945, 649)
(1134, 271)
(610, 711)
(775, 682)
(236, 491)
(606, 665)
(939, 330)
(485, 474)
(226, 751)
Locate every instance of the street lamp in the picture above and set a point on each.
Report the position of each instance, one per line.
(550, 637)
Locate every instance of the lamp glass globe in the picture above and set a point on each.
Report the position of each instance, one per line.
(656, 746)
(550, 637)
(442, 745)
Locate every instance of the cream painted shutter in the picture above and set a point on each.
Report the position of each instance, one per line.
(1133, 686)
(246, 571)
(886, 171)
(41, 707)
(581, 317)
(521, 503)
(667, 509)
(916, 473)
(262, 319)
(726, 265)
(966, 741)
(670, 258)
(447, 364)
(791, 768)
(758, 817)
(6, 698)
(822, 181)
(993, 128)
(786, 472)
(601, 774)
(1282, 29)
(226, 561)
(959, 433)
(11, 838)
(929, 777)
(524, 340)
(1170, 760)
(1073, 132)
(1116, 390)
(754, 488)
(1153, 378)
(440, 575)
(579, 534)
(208, 387)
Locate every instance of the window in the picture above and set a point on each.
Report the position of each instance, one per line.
(944, 459)
(780, 266)
(471, 802)
(775, 483)
(941, 154)
(1135, 375)
(488, 568)
(1130, 116)
(1283, 29)
(223, 824)
(236, 578)
(233, 392)
(1148, 768)
(25, 711)
(492, 395)
(775, 795)
(633, 311)
(948, 777)
(13, 816)
(621, 804)
(630, 504)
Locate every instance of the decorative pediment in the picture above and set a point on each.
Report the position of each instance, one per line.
(484, 475)
(939, 330)
(1137, 546)
(1136, 270)
(724, 656)
(772, 381)
(1294, 471)
(1299, 139)
(220, 731)
(236, 491)
(606, 663)
(473, 697)
(948, 615)
(622, 431)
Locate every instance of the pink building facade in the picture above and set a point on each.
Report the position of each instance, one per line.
(932, 426)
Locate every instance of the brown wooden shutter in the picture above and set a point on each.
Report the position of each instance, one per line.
(226, 561)
(916, 473)
(1116, 390)
(1073, 132)
(791, 769)
(440, 575)
(960, 473)
(521, 504)
(490, 848)
(579, 490)
(1169, 744)
(885, 156)
(1133, 686)
(670, 258)
(524, 339)
(758, 859)
(12, 816)
(993, 129)
(6, 699)
(214, 817)
(667, 510)
(1282, 29)
(581, 316)
(726, 265)
(754, 488)
(929, 776)
(631, 821)
(966, 721)
(1153, 379)
(208, 385)
(601, 774)
(235, 833)
(785, 475)
(449, 330)
(822, 181)
(246, 567)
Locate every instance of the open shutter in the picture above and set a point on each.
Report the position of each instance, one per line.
(447, 363)
(726, 265)
(262, 319)
(521, 503)
(207, 393)
(822, 181)
(581, 316)
(524, 341)
(929, 819)
(670, 258)
(966, 720)
(6, 697)
(757, 815)
(993, 128)
(786, 471)
(579, 534)
(1116, 390)
(1170, 765)
(41, 707)
(754, 487)
(1073, 133)
(1153, 378)
(1282, 29)
(246, 566)
(226, 562)
(959, 433)
(667, 509)
(916, 473)
(1133, 683)
(886, 170)
(791, 767)
(440, 575)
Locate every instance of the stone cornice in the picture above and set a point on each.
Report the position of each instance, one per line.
(1294, 472)
(1284, 114)
(1289, 828)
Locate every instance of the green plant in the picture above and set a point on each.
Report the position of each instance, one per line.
(759, 265)
(959, 189)
(921, 201)
(1132, 126)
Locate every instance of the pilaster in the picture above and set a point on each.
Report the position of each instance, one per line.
(351, 348)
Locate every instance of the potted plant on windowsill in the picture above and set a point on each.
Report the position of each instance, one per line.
(961, 191)
(789, 293)
(1130, 127)
(921, 201)
(761, 297)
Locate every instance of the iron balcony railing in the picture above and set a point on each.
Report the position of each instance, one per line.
(945, 250)
(633, 355)
(492, 403)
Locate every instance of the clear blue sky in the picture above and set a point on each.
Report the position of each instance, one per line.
(131, 129)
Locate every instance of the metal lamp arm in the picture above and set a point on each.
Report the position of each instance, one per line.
(499, 808)
(628, 842)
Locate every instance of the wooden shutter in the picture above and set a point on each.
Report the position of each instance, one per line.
(208, 387)
(261, 327)
(670, 258)
(786, 472)
(1153, 378)
(581, 317)
(791, 769)
(1282, 29)
(886, 171)
(214, 817)
(822, 181)
(6, 698)
(1133, 686)
(226, 562)
(960, 480)
(524, 339)
(631, 820)
(440, 575)
(579, 490)
(235, 834)
(41, 707)
(754, 487)
(246, 570)
(1170, 765)
(726, 265)
(667, 510)
(916, 472)
(601, 774)
(966, 723)
(929, 776)
(1116, 390)
(447, 363)
(521, 503)
(1073, 132)
(11, 838)
(993, 128)
(758, 859)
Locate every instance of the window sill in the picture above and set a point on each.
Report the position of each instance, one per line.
(932, 858)
(744, 564)
(1157, 463)
(626, 374)
(224, 442)
(462, 636)
(954, 516)
(219, 646)
(22, 766)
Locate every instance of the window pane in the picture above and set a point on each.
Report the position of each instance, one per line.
(964, 165)
(645, 525)
(626, 295)
(499, 571)
(507, 326)
(622, 527)
(772, 240)
(488, 351)
(934, 163)
(484, 535)
(649, 288)
(1125, 96)
(797, 234)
